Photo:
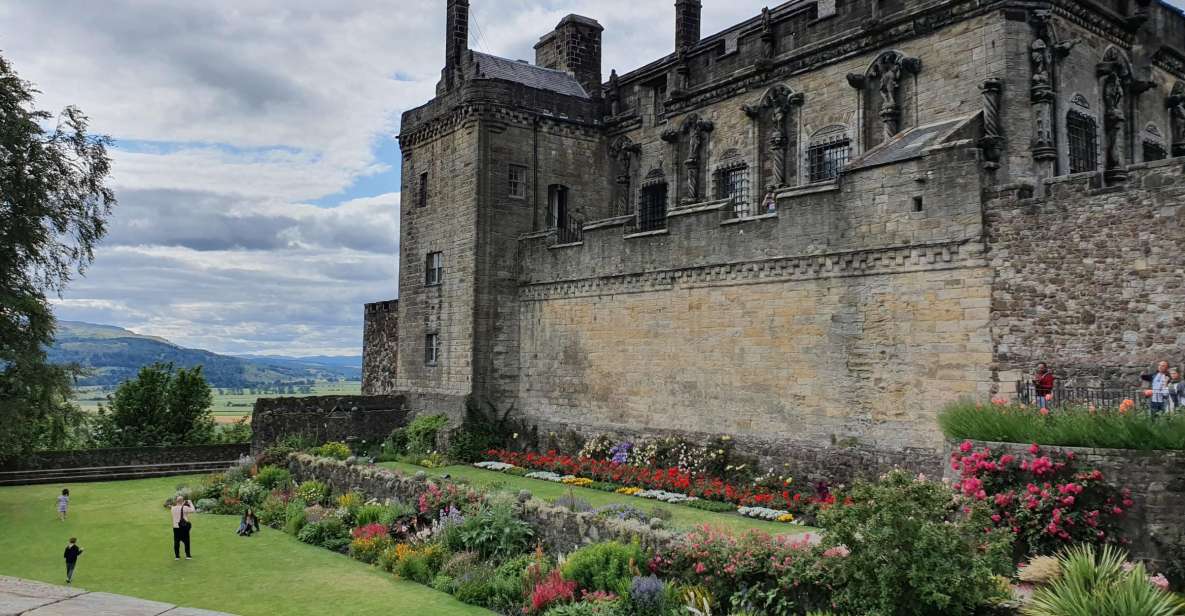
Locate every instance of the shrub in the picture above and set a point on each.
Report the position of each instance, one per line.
(394, 511)
(459, 563)
(1102, 584)
(494, 533)
(370, 513)
(274, 478)
(204, 504)
(911, 550)
(273, 511)
(313, 492)
(647, 596)
(333, 449)
(396, 442)
(368, 542)
(414, 567)
(552, 590)
(572, 503)
(389, 556)
(422, 431)
(715, 506)
(351, 501)
(211, 487)
(295, 518)
(251, 493)
(442, 583)
(329, 533)
(1071, 426)
(584, 608)
(606, 566)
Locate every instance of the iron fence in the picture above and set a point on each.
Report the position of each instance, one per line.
(569, 231)
(1068, 395)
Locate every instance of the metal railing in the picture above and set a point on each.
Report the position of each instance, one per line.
(569, 231)
(1066, 395)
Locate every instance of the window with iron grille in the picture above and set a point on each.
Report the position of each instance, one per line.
(422, 190)
(1082, 133)
(732, 182)
(652, 207)
(431, 349)
(434, 268)
(517, 182)
(829, 151)
(1154, 151)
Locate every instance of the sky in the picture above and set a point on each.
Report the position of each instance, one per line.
(255, 159)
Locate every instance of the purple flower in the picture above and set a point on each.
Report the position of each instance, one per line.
(621, 452)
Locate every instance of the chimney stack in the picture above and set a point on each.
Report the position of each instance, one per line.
(456, 41)
(574, 47)
(687, 18)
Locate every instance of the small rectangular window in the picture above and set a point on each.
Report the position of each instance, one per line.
(660, 98)
(1082, 131)
(431, 349)
(652, 208)
(422, 190)
(828, 156)
(434, 268)
(918, 205)
(517, 182)
(732, 182)
(1154, 151)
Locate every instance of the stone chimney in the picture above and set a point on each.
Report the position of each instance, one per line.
(574, 47)
(687, 18)
(456, 40)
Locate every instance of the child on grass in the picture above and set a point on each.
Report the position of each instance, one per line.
(63, 504)
(72, 553)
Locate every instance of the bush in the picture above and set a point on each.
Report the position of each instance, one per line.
(414, 567)
(273, 512)
(204, 504)
(294, 517)
(274, 478)
(368, 542)
(647, 596)
(551, 591)
(251, 493)
(600, 608)
(714, 506)
(329, 533)
(313, 492)
(370, 513)
(609, 566)
(909, 549)
(422, 431)
(333, 449)
(494, 533)
(211, 487)
(1102, 584)
(1070, 426)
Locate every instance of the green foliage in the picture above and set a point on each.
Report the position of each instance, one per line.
(494, 533)
(602, 608)
(608, 566)
(1098, 584)
(483, 586)
(294, 516)
(913, 551)
(1069, 426)
(250, 493)
(53, 206)
(370, 513)
(333, 449)
(414, 567)
(273, 478)
(708, 505)
(312, 492)
(162, 406)
(237, 432)
(422, 431)
(485, 427)
(329, 533)
(272, 512)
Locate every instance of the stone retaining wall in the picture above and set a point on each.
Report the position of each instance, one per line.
(327, 418)
(560, 530)
(127, 456)
(1156, 480)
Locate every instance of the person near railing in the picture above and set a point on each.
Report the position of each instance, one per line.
(1176, 390)
(1043, 381)
(1159, 393)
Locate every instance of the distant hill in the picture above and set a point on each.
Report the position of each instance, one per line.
(113, 355)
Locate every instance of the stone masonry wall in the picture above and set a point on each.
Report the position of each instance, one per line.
(380, 347)
(1090, 280)
(560, 529)
(127, 456)
(327, 418)
(1156, 480)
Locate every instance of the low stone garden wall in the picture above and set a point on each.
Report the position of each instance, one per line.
(1156, 480)
(561, 530)
(327, 418)
(128, 456)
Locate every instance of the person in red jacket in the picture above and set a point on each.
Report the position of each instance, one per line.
(1043, 384)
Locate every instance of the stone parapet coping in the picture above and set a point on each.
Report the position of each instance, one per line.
(29, 598)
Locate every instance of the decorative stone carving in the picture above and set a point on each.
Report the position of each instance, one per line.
(888, 70)
(1116, 77)
(993, 134)
(778, 103)
(613, 94)
(1176, 106)
(1044, 54)
(623, 151)
(696, 130)
(769, 41)
(682, 73)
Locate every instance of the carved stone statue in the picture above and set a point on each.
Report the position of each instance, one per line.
(890, 75)
(1117, 77)
(1176, 106)
(887, 70)
(623, 151)
(1040, 57)
(768, 38)
(695, 128)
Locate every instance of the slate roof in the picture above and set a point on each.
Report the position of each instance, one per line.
(493, 67)
(910, 144)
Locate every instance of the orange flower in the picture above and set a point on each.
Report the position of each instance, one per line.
(1126, 406)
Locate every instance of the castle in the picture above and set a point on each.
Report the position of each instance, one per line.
(813, 228)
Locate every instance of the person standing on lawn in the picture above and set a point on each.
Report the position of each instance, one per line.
(1043, 384)
(63, 504)
(1159, 394)
(181, 525)
(73, 551)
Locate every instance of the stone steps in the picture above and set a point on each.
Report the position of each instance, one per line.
(109, 473)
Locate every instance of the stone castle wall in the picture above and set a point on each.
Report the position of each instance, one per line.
(1091, 280)
(127, 456)
(380, 347)
(327, 418)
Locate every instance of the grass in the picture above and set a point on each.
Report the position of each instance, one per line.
(1069, 426)
(227, 406)
(128, 542)
(682, 517)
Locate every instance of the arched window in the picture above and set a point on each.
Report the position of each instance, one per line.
(1082, 134)
(828, 153)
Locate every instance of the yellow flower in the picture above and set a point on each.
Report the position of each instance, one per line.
(786, 517)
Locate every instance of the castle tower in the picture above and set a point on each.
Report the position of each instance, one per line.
(574, 47)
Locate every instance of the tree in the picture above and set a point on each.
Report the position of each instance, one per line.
(160, 407)
(53, 207)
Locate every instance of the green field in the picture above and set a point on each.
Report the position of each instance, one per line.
(682, 517)
(128, 542)
(228, 403)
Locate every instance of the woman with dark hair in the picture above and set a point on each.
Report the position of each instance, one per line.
(181, 525)
(249, 524)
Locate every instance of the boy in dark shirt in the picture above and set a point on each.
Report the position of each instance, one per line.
(72, 554)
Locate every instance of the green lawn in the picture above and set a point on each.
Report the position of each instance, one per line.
(126, 534)
(682, 516)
